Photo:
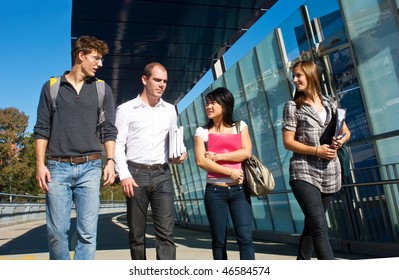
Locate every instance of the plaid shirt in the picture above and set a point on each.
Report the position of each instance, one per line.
(308, 128)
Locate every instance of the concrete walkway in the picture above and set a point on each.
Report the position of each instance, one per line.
(27, 241)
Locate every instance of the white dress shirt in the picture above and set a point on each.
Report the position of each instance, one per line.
(142, 134)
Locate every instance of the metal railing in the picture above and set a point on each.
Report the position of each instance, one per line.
(11, 197)
(16, 208)
(367, 208)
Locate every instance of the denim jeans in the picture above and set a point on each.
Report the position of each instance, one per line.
(79, 183)
(314, 205)
(236, 200)
(155, 188)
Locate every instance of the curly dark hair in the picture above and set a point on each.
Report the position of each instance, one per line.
(87, 44)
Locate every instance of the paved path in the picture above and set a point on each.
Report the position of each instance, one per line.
(27, 241)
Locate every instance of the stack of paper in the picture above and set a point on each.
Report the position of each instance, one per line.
(176, 142)
(341, 114)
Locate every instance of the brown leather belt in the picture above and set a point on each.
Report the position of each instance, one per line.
(147, 167)
(77, 159)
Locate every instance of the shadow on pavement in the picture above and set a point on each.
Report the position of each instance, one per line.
(114, 236)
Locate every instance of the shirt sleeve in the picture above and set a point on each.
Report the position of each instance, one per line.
(289, 116)
(42, 127)
(242, 125)
(110, 130)
(202, 132)
(122, 124)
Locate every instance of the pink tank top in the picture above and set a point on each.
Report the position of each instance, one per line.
(223, 143)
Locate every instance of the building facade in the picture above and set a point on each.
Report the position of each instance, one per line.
(356, 44)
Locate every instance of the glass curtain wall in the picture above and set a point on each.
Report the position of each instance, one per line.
(356, 45)
(373, 28)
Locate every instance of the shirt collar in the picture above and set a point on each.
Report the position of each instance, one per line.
(137, 102)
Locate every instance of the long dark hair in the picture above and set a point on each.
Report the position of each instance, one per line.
(225, 99)
(312, 75)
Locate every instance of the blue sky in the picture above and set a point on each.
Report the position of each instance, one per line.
(35, 44)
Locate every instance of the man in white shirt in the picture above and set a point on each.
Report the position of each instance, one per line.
(142, 157)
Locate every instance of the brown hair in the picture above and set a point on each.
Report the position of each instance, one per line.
(87, 44)
(312, 75)
(147, 72)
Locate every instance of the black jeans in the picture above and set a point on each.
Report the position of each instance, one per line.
(155, 188)
(314, 205)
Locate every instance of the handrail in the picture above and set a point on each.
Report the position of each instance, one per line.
(31, 197)
(364, 184)
(22, 195)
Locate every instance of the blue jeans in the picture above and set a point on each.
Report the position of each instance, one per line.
(314, 205)
(155, 188)
(79, 183)
(236, 200)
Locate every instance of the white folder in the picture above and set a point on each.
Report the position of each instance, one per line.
(341, 114)
(176, 142)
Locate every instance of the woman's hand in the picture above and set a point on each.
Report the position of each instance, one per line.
(236, 175)
(325, 151)
(211, 155)
(338, 142)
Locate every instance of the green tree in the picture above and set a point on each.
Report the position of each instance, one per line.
(18, 159)
(112, 194)
(17, 154)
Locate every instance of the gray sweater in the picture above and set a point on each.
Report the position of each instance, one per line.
(71, 129)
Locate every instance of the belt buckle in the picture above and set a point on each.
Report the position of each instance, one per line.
(149, 167)
(87, 159)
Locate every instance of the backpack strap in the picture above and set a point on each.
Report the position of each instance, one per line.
(238, 128)
(54, 87)
(100, 84)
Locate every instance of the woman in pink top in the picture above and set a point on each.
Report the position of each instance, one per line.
(220, 149)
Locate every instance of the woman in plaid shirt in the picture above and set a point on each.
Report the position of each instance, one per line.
(315, 171)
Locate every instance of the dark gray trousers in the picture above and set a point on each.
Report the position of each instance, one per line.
(155, 188)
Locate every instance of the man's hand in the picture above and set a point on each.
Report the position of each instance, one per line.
(109, 173)
(180, 159)
(128, 184)
(43, 177)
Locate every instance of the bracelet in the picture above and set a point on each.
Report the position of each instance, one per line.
(231, 173)
(317, 150)
(110, 158)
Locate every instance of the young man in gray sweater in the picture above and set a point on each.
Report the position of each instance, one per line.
(67, 137)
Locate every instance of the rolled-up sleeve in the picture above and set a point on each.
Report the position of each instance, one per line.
(289, 117)
(42, 128)
(122, 124)
(109, 129)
